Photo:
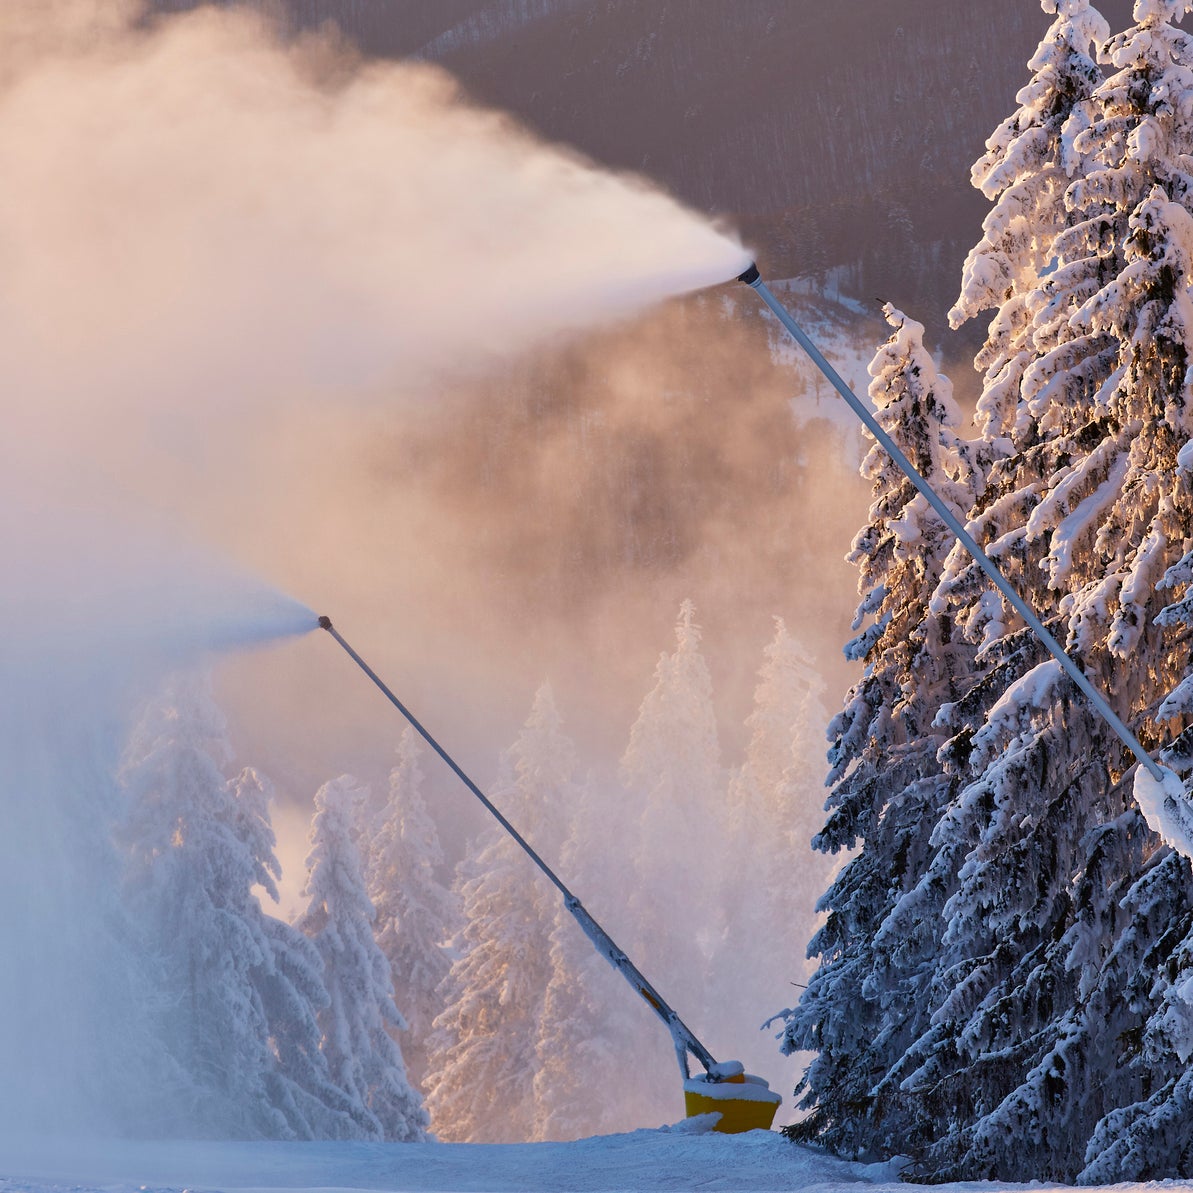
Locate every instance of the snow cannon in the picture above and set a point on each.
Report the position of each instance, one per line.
(1158, 792)
(742, 1102)
(752, 278)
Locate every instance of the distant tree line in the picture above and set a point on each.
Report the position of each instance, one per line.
(511, 1025)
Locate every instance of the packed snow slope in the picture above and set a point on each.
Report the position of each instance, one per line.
(683, 1157)
(670, 1158)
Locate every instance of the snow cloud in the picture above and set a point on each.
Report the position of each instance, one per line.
(199, 218)
(322, 317)
(212, 234)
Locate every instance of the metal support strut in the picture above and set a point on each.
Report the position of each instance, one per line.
(752, 279)
(681, 1035)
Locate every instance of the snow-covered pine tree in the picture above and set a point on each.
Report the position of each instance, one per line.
(864, 1003)
(1149, 973)
(770, 873)
(784, 756)
(1026, 169)
(417, 916)
(1144, 988)
(595, 1033)
(364, 1059)
(482, 1054)
(81, 988)
(1039, 1009)
(672, 771)
(241, 988)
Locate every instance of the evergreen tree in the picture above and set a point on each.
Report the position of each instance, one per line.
(241, 988)
(80, 982)
(417, 915)
(672, 771)
(770, 874)
(482, 1054)
(865, 1002)
(594, 1032)
(1055, 885)
(1026, 169)
(364, 1060)
(783, 734)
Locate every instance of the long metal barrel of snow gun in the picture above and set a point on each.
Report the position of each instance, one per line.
(681, 1035)
(753, 279)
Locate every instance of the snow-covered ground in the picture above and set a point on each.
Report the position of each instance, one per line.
(670, 1158)
(642, 1160)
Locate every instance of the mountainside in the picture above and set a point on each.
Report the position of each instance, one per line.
(834, 134)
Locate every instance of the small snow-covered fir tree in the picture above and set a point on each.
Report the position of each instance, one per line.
(242, 988)
(595, 1032)
(672, 770)
(84, 991)
(483, 1052)
(865, 1002)
(783, 754)
(364, 1060)
(770, 874)
(417, 916)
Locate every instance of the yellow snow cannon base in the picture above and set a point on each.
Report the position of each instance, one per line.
(744, 1102)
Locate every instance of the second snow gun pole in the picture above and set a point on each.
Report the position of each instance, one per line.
(681, 1035)
(752, 279)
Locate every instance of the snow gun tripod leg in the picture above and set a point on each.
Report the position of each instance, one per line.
(752, 279)
(743, 1103)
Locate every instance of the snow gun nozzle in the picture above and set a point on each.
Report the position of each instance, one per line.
(325, 622)
(750, 276)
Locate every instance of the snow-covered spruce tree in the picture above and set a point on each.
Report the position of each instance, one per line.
(482, 1053)
(864, 1003)
(84, 995)
(417, 915)
(1039, 1006)
(1149, 1132)
(1026, 169)
(672, 772)
(770, 874)
(1147, 1136)
(595, 1033)
(767, 794)
(365, 1061)
(241, 988)
(1150, 972)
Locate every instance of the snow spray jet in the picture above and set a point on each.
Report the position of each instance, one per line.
(1159, 792)
(235, 262)
(218, 240)
(743, 1102)
(203, 221)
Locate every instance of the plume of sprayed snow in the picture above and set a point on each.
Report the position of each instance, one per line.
(215, 244)
(282, 220)
(90, 596)
(205, 227)
(202, 226)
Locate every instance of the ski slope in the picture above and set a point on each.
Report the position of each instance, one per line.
(676, 1158)
(669, 1158)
